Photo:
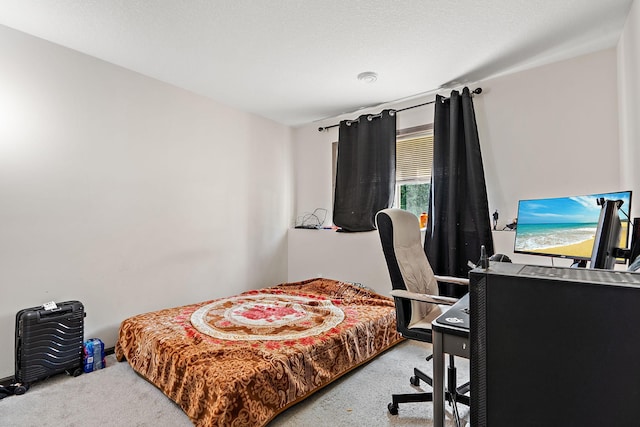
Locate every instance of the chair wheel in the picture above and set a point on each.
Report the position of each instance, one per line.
(393, 408)
(414, 381)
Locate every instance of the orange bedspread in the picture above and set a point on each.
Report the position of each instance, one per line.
(240, 361)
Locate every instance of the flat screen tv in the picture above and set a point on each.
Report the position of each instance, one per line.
(566, 227)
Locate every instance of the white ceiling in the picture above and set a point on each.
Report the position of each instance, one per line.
(296, 61)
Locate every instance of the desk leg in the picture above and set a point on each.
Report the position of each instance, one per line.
(438, 379)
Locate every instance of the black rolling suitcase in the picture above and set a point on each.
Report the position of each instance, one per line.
(49, 342)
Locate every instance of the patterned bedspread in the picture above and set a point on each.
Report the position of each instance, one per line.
(240, 361)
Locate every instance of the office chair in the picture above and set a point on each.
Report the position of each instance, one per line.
(417, 299)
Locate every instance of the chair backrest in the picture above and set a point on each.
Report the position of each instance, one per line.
(407, 262)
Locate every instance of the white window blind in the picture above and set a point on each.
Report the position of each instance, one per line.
(414, 156)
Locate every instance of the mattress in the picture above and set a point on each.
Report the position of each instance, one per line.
(241, 360)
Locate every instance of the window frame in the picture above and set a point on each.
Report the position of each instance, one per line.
(413, 133)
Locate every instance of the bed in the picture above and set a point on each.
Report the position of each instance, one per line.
(241, 360)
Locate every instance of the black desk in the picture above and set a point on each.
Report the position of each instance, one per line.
(451, 336)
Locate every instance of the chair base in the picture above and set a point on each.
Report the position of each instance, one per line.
(453, 394)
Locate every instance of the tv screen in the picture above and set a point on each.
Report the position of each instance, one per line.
(566, 226)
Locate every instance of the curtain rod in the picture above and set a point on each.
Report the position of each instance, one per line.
(476, 91)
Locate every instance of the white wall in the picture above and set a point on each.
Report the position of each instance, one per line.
(352, 257)
(128, 194)
(550, 131)
(545, 132)
(629, 90)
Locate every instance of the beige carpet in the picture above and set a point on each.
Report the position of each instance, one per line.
(117, 396)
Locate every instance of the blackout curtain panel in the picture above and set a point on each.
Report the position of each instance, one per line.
(458, 221)
(366, 170)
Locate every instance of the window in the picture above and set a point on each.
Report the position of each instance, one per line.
(414, 158)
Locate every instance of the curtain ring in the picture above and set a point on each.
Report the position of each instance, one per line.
(369, 117)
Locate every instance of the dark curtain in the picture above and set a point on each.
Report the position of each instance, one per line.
(458, 221)
(366, 170)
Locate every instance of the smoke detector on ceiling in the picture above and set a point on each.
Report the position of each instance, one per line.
(368, 77)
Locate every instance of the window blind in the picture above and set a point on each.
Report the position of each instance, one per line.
(414, 157)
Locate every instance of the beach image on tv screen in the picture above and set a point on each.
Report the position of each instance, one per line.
(565, 226)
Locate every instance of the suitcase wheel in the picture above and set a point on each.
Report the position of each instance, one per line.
(21, 389)
(75, 373)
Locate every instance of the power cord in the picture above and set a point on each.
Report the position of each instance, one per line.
(314, 219)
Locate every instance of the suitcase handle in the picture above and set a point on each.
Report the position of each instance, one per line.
(55, 312)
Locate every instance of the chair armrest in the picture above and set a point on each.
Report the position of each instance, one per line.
(433, 299)
(451, 279)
